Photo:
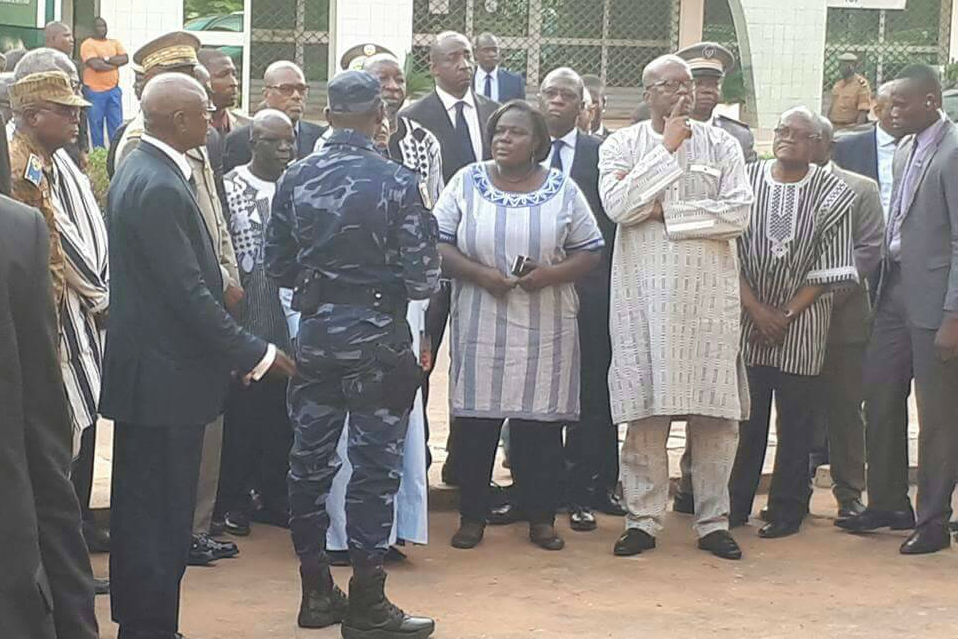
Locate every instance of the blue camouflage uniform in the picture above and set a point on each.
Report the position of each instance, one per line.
(350, 226)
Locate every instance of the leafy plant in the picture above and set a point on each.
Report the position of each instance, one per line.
(418, 81)
(96, 171)
(951, 74)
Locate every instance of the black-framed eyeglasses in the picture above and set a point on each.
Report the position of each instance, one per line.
(289, 89)
(566, 94)
(788, 133)
(672, 86)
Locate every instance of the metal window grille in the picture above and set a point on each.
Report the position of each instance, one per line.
(613, 39)
(886, 40)
(296, 30)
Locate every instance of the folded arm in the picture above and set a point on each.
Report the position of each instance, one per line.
(629, 191)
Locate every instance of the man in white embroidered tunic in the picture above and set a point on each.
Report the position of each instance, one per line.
(679, 193)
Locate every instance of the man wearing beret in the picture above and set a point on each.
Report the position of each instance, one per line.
(355, 258)
(851, 95)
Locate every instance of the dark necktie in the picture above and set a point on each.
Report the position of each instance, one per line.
(488, 87)
(462, 132)
(192, 182)
(557, 155)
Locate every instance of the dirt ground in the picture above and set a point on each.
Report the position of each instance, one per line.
(820, 583)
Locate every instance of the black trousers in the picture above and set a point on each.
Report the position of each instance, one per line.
(257, 437)
(796, 397)
(536, 459)
(153, 494)
(591, 446)
(81, 474)
(897, 353)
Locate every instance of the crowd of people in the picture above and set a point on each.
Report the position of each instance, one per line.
(260, 306)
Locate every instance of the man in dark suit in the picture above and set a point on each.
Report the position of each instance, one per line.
(915, 331)
(492, 81)
(46, 587)
(170, 349)
(870, 152)
(284, 89)
(457, 117)
(591, 446)
(596, 88)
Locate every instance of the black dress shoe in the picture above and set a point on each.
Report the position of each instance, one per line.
(394, 555)
(200, 553)
(684, 503)
(219, 549)
(504, 514)
(270, 517)
(97, 539)
(953, 526)
(927, 539)
(217, 528)
(581, 519)
(721, 544)
(606, 502)
(469, 534)
(776, 529)
(237, 523)
(545, 536)
(101, 586)
(850, 508)
(874, 519)
(632, 542)
(338, 557)
(448, 474)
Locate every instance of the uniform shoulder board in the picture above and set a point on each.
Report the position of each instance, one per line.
(34, 171)
(734, 121)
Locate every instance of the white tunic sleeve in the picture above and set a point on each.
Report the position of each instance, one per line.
(447, 209)
(584, 234)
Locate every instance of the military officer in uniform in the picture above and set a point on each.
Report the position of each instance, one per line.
(710, 62)
(351, 233)
(851, 95)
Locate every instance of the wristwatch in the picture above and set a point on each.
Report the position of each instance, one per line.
(790, 314)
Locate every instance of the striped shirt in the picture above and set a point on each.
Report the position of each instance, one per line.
(800, 235)
(83, 238)
(249, 200)
(518, 355)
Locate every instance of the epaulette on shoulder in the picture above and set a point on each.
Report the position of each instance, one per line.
(734, 121)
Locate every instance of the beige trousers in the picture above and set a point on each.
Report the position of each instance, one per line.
(645, 471)
(209, 478)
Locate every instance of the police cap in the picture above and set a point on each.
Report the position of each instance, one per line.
(707, 58)
(170, 50)
(353, 92)
(848, 57)
(356, 56)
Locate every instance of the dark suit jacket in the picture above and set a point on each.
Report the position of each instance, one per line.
(511, 86)
(594, 287)
(429, 112)
(858, 153)
(237, 151)
(929, 232)
(170, 344)
(46, 586)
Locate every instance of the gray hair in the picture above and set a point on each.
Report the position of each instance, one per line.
(803, 111)
(282, 64)
(651, 70)
(825, 127)
(567, 72)
(45, 59)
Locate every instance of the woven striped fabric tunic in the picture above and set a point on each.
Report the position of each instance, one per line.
(83, 237)
(800, 234)
(516, 356)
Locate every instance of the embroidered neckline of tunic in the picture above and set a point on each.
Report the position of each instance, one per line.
(783, 204)
(543, 194)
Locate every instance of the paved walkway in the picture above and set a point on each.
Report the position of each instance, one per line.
(820, 583)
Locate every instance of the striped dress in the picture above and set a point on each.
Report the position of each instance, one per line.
(516, 356)
(83, 238)
(800, 234)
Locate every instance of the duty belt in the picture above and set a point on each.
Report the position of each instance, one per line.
(315, 290)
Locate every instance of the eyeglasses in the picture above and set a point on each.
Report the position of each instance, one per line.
(289, 89)
(62, 110)
(565, 94)
(672, 86)
(788, 133)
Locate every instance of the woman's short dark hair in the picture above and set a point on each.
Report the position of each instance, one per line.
(542, 141)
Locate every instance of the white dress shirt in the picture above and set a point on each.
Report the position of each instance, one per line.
(471, 114)
(885, 145)
(479, 82)
(567, 152)
(179, 159)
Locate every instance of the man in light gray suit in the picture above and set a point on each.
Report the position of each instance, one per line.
(841, 426)
(916, 325)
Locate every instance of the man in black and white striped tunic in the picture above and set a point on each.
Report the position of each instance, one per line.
(798, 246)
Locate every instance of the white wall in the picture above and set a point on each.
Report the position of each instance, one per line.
(783, 44)
(134, 23)
(384, 22)
(954, 30)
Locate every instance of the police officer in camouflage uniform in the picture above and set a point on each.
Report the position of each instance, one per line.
(350, 232)
(709, 62)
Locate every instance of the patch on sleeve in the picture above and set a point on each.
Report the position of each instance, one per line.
(34, 172)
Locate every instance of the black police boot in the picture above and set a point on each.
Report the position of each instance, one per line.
(372, 616)
(323, 603)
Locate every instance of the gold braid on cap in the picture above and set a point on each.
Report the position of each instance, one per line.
(174, 56)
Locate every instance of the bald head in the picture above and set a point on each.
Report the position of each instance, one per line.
(451, 63)
(374, 63)
(176, 110)
(279, 71)
(59, 36)
(273, 143)
(883, 108)
(565, 75)
(45, 59)
(268, 120)
(656, 70)
(13, 57)
(285, 88)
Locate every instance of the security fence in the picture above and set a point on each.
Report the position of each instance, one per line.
(887, 40)
(296, 30)
(613, 39)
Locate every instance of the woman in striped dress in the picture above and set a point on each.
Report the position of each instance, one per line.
(514, 236)
(798, 246)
